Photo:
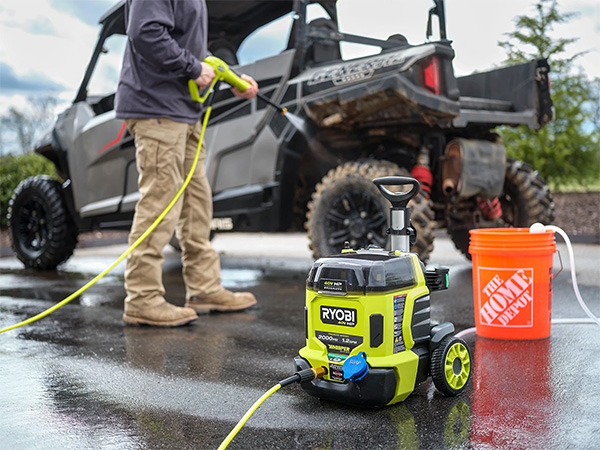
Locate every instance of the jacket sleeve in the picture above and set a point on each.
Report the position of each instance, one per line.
(148, 29)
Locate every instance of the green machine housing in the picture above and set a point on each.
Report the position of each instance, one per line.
(371, 308)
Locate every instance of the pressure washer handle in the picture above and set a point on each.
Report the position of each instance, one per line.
(397, 199)
(222, 73)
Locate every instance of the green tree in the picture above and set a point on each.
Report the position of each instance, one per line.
(566, 151)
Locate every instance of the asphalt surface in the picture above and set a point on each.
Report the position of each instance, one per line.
(80, 379)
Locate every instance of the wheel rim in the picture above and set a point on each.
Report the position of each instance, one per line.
(32, 227)
(457, 366)
(510, 209)
(356, 217)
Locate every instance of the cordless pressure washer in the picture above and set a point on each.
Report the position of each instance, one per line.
(367, 320)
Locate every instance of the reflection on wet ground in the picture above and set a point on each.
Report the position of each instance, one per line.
(79, 379)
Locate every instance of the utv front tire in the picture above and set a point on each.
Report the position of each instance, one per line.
(41, 230)
(347, 206)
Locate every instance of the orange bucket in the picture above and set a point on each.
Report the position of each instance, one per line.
(512, 282)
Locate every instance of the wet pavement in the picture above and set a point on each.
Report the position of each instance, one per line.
(79, 379)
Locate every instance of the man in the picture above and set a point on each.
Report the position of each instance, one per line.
(166, 45)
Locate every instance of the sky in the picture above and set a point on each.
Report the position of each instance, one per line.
(45, 45)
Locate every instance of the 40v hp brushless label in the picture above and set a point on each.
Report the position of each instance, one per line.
(339, 347)
(326, 284)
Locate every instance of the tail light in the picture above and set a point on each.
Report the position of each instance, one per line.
(431, 76)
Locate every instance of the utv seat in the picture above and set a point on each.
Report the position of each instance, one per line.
(224, 50)
(324, 50)
(399, 39)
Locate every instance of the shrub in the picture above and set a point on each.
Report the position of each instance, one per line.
(13, 170)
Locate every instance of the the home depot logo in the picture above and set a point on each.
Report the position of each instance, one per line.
(506, 297)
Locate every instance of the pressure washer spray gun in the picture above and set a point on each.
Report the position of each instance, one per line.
(224, 73)
(367, 320)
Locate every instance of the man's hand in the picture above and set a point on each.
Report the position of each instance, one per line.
(206, 77)
(249, 93)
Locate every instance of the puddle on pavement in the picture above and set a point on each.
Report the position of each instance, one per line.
(240, 278)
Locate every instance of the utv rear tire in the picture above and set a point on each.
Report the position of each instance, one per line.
(347, 206)
(525, 200)
(40, 227)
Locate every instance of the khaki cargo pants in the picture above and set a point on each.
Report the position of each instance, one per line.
(165, 151)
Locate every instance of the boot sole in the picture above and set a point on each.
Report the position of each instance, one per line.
(130, 320)
(208, 308)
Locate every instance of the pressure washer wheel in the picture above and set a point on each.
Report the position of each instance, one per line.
(41, 230)
(525, 200)
(451, 366)
(347, 207)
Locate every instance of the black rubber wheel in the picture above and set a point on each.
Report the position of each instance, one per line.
(42, 232)
(347, 206)
(451, 366)
(525, 200)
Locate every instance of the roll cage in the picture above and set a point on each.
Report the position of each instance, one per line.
(231, 22)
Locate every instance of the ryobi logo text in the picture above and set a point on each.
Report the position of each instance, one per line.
(506, 298)
(338, 316)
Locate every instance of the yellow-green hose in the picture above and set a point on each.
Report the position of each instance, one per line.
(301, 376)
(243, 420)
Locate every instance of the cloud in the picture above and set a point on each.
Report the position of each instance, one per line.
(11, 82)
(42, 26)
(88, 11)
(37, 57)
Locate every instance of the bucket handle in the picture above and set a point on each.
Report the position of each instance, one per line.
(561, 265)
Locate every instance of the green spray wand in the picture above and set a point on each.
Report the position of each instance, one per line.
(224, 73)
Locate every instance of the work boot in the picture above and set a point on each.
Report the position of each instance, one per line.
(162, 315)
(224, 301)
